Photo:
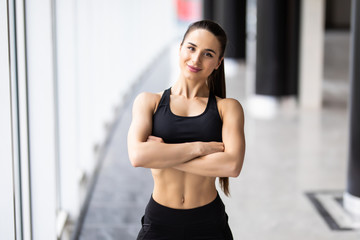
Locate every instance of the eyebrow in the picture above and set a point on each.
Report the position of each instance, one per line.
(208, 49)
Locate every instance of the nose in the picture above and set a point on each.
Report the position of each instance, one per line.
(196, 57)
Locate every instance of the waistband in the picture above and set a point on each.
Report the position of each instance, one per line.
(159, 214)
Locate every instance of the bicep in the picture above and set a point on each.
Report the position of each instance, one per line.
(233, 128)
(141, 124)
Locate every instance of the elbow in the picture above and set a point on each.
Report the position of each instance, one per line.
(236, 169)
(235, 173)
(135, 160)
(139, 156)
(135, 163)
(136, 155)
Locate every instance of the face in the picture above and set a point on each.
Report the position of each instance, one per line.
(199, 54)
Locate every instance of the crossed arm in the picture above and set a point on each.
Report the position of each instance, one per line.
(213, 159)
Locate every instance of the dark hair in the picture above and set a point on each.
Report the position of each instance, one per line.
(216, 80)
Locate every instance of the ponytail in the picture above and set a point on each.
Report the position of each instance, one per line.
(216, 84)
(216, 81)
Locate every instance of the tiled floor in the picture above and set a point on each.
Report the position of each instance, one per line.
(287, 157)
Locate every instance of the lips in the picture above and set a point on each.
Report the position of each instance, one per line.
(193, 69)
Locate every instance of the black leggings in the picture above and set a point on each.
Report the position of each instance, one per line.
(208, 222)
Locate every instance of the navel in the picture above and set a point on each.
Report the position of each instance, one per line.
(182, 199)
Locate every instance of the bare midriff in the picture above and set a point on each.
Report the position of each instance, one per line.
(181, 190)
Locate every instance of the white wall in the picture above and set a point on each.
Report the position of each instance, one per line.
(102, 49)
(58, 91)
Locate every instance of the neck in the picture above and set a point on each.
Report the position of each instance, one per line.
(190, 89)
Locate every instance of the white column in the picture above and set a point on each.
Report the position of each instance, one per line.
(42, 121)
(19, 118)
(7, 217)
(311, 53)
(67, 84)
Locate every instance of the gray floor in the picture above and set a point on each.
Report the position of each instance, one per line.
(287, 157)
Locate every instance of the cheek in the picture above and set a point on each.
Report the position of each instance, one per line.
(182, 58)
(211, 67)
(184, 55)
(213, 64)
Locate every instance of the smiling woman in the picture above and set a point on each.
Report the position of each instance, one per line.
(188, 136)
(197, 57)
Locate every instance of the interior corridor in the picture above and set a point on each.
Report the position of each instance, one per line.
(295, 164)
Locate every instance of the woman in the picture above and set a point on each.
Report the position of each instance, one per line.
(188, 136)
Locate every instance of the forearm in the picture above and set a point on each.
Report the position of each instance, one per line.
(219, 164)
(161, 155)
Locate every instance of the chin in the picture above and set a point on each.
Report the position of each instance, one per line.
(191, 76)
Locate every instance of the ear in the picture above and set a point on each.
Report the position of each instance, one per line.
(222, 59)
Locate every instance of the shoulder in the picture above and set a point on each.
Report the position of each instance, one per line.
(228, 102)
(147, 100)
(228, 106)
(147, 96)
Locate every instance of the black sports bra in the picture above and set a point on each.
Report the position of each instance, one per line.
(172, 128)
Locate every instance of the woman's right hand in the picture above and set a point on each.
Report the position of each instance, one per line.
(211, 147)
(154, 139)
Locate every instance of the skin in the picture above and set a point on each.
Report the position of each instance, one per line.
(184, 174)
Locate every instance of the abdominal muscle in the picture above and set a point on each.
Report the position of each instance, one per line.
(181, 190)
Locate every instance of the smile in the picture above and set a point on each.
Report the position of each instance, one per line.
(193, 69)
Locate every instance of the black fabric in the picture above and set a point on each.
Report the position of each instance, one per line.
(172, 128)
(208, 222)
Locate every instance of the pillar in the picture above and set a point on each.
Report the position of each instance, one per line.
(233, 18)
(352, 195)
(311, 54)
(277, 57)
(277, 47)
(231, 15)
(209, 9)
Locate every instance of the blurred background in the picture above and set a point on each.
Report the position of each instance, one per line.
(70, 69)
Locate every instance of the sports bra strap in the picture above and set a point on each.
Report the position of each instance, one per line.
(165, 98)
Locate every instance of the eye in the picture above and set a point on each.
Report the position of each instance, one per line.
(207, 54)
(191, 48)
